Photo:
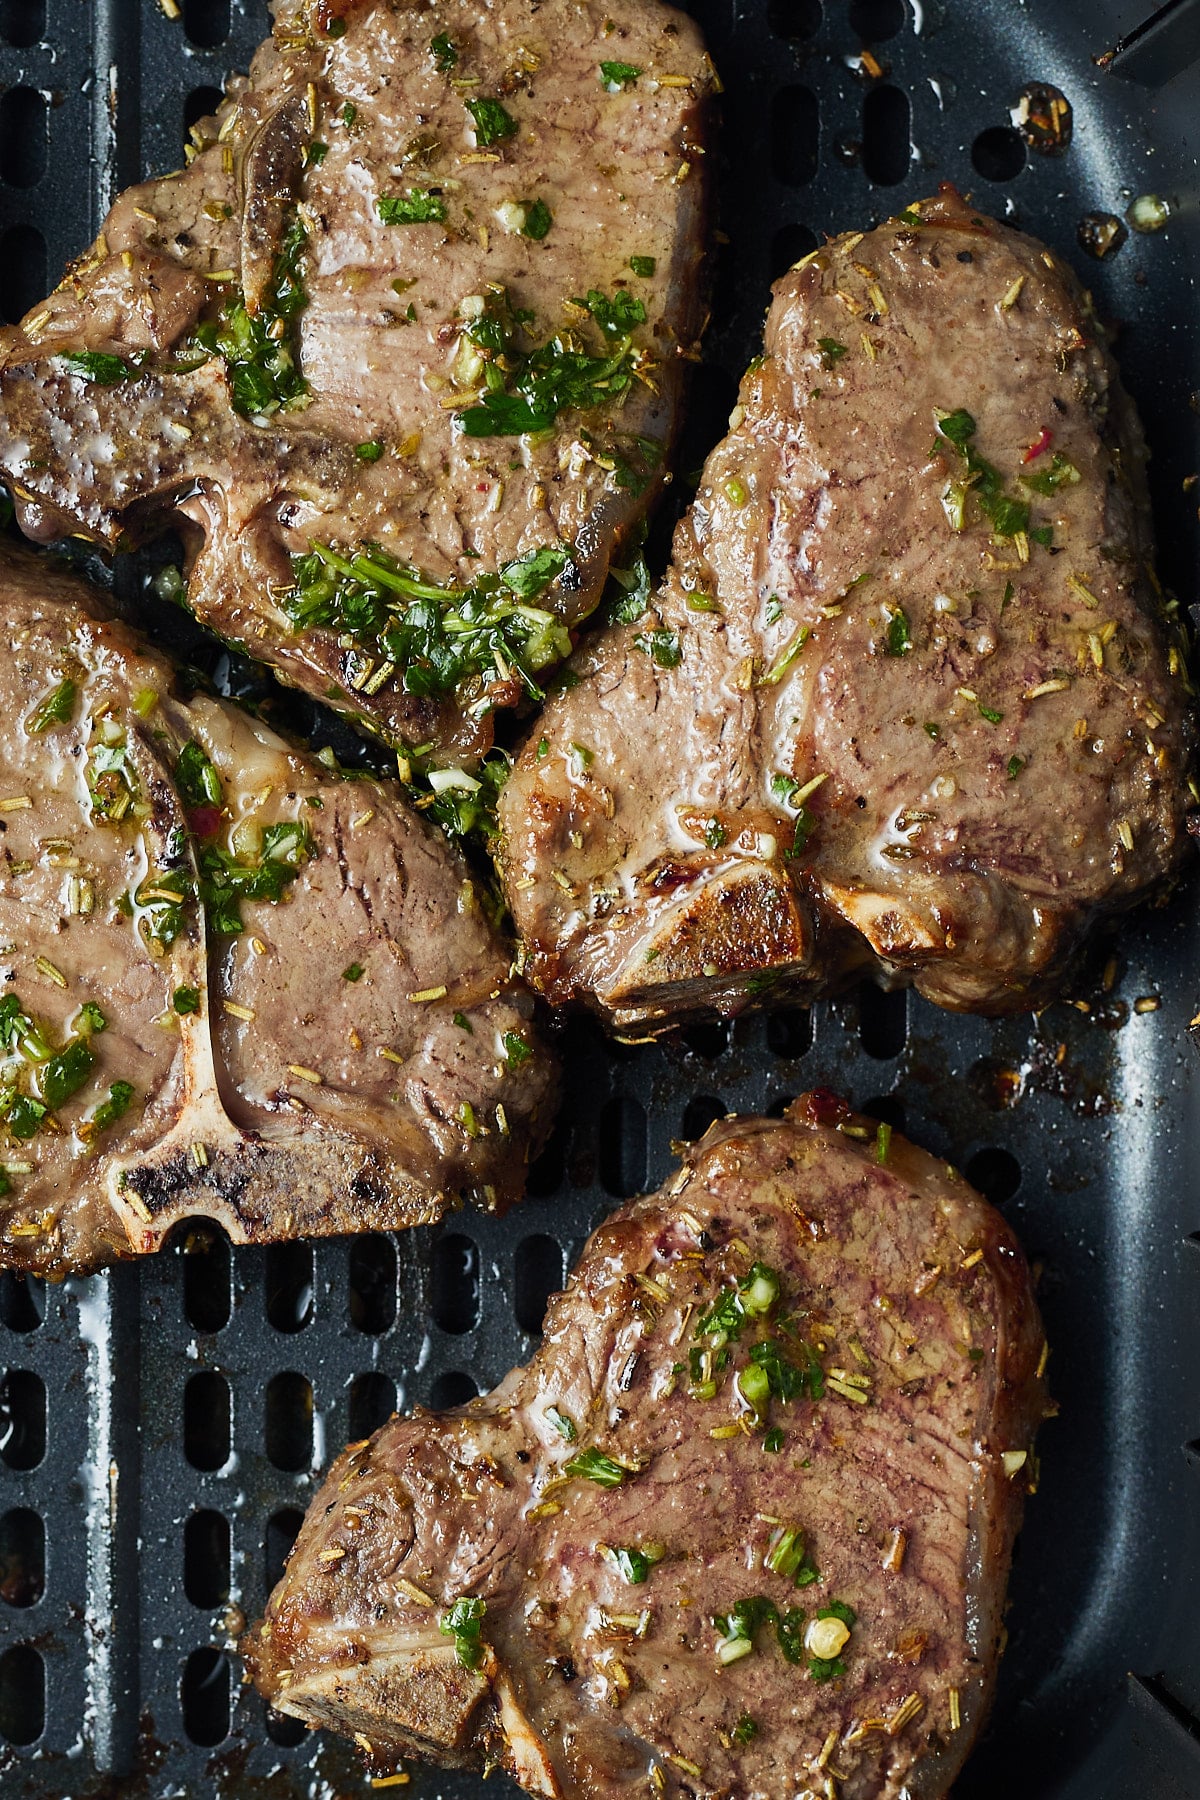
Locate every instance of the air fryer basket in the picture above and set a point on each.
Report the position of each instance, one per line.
(161, 1427)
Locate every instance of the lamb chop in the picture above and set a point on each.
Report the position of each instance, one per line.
(908, 700)
(236, 983)
(741, 1528)
(401, 349)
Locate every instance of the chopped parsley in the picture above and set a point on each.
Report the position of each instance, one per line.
(643, 266)
(91, 1018)
(752, 1298)
(1009, 517)
(618, 75)
(354, 972)
(831, 352)
(629, 603)
(786, 1556)
(563, 1424)
(429, 638)
(120, 1097)
(538, 220)
(493, 122)
(990, 714)
(196, 778)
(57, 708)
(315, 154)
(257, 348)
(225, 881)
(715, 834)
(444, 52)
(111, 784)
(635, 1565)
(419, 206)
(98, 366)
(516, 1050)
(898, 641)
(774, 1441)
(370, 451)
(1059, 472)
(1015, 765)
(464, 1623)
(186, 1000)
(593, 1465)
(745, 1730)
(662, 646)
(524, 391)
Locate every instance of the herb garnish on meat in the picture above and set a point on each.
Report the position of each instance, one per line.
(525, 390)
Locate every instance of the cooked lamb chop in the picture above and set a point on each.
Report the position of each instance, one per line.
(326, 1040)
(907, 700)
(402, 346)
(742, 1527)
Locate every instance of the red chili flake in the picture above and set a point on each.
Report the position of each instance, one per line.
(1040, 445)
(483, 487)
(205, 820)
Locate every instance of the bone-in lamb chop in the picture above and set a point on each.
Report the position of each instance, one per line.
(742, 1526)
(235, 983)
(401, 349)
(907, 700)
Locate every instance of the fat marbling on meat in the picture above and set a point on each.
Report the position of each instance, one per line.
(741, 1528)
(235, 983)
(425, 293)
(908, 700)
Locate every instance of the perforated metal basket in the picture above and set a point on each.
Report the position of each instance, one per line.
(162, 1427)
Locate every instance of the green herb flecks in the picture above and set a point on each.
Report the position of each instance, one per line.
(631, 597)
(57, 708)
(524, 390)
(563, 1424)
(98, 366)
(90, 1019)
(1008, 516)
(493, 122)
(354, 972)
(746, 1729)
(593, 1465)
(257, 348)
(444, 52)
(111, 783)
(618, 75)
(186, 1000)
(419, 206)
(633, 1564)
(1015, 765)
(898, 638)
(464, 807)
(429, 638)
(196, 777)
(753, 1298)
(464, 1623)
(120, 1098)
(1058, 472)
(225, 880)
(787, 1556)
(663, 647)
(538, 220)
(831, 352)
(517, 1050)
(643, 266)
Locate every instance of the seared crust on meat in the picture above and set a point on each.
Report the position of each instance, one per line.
(351, 110)
(909, 1298)
(922, 711)
(339, 1064)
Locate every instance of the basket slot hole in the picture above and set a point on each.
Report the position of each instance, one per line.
(285, 1731)
(22, 1695)
(22, 271)
(289, 1285)
(788, 245)
(283, 1528)
(204, 1697)
(623, 1148)
(795, 135)
(206, 1558)
(289, 1420)
(453, 1388)
(699, 1113)
(22, 1557)
(22, 1419)
(998, 153)
(22, 1301)
(454, 1284)
(790, 1031)
(372, 1403)
(206, 22)
(24, 137)
(886, 135)
(22, 22)
(538, 1272)
(709, 1040)
(548, 1172)
(882, 1020)
(207, 1420)
(995, 1172)
(876, 20)
(794, 18)
(887, 1109)
(373, 1284)
(198, 105)
(207, 1271)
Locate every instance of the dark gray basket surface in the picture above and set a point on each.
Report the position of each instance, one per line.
(161, 1428)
